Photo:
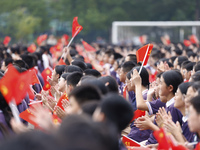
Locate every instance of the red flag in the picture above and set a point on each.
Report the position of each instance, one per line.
(32, 48)
(187, 43)
(26, 116)
(194, 39)
(46, 86)
(197, 147)
(76, 28)
(63, 97)
(129, 142)
(66, 37)
(41, 38)
(88, 47)
(61, 62)
(56, 119)
(6, 40)
(46, 72)
(140, 54)
(35, 79)
(143, 39)
(162, 139)
(137, 148)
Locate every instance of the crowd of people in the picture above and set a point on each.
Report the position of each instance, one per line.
(90, 99)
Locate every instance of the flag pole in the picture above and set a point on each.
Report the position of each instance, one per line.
(144, 59)
(71, 40)
(14, 110)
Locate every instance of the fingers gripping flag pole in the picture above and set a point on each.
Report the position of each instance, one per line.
(144, 58)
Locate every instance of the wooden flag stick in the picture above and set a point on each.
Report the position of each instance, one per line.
(14, 110)
(144, 59)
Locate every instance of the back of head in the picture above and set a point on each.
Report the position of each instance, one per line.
(172, 77)
(197, 67)
(117, 110)
(73, 68)
(110, 83)
(60, 69)
(196, 76)
(87, 134)
(184, 87)
(8, 61)
(90, 107)
(189, 66)
(20, 63)
(74, 78)
(80, 64)
(85, 93)
(28, 60)
(181, 59)
(127, 66)
(100, 85)
(92, 72)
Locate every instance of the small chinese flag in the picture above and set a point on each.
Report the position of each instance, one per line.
(63, 97)
(35, 79)
(61, 62)
(140, 54)
(32, 48)
(76, 28)
(41, 38)
(187, 43)
(66, 37)
(162, 139)
(197, 147)
(46, 72)
(88, 47)
(129, 142)
(138, 113)
(26, 116)
(46, 86)
(194, 39)
(6, 40)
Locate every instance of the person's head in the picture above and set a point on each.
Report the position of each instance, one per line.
(99, 84)
(5, 63)
(195, 77)
(110, 83)
(20, 63)
(57, 72)
(73, 68)
(114, 57)
(80, 64)
(72, 81)
(180, 95)
(187, 70)
(178, 61)
(116, 109)
(196, 67)
(92, 72)
(107, 55)
(131, 57)
(62, 83)
(157, 89)
(90, 107)
(169, 83)
(125, 68)
(80, 95)
(89, 135)
(194, 115)
(28, 60)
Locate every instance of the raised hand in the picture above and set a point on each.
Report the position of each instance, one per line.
(59, 112)
(135, 78)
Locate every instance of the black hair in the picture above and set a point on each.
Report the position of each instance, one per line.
(92, 72)
(73, 68)
(197, 67)
(65, 75)
(59, 69)
(195, 102)
(117, 56)
(109, 52)
(100, 85)
(127, 66)
(189, 66)
(74, 78)
(196, 76)
(112, 84)
(117, 110)
(181, 59)
(73, 52)
(89, 66)
(144, 75)
(178, 52)
(184, 87)
(159, 75)
(174, 78)
(80, 64)
(191, 53)
(28, 60)
(20, 63)
(86, 77)
(8, 61)
(173, 58)
(196, 86)
(185, 63)
(88, 135)
(90, 107)
(85, 93)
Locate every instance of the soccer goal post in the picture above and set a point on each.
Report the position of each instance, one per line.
(124, 32)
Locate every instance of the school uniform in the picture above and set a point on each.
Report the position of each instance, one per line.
(186, 131)
(137, 134)
(176, 116)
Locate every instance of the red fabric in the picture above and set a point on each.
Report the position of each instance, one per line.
(76, 28)
(46, 86)
(35, 79)
(140, 54)
(59, 104)
(30, 93)
(88, 47)
(41, 38)
(129, 142)
(32, 48)
(61, 62)
(194, 39)
(46, 72)
(137, 148)
(187, 43)
(138, 113)
(26, 116)
(197, 147)
(6, 40)
(66, 37)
